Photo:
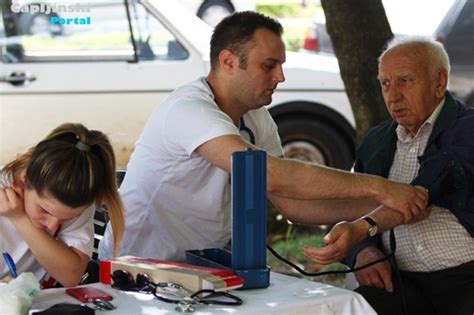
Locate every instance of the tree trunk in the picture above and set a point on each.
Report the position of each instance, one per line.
(359, 30)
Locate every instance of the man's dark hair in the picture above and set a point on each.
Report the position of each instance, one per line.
(236, 31)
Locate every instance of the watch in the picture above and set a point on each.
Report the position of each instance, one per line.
(373, 227)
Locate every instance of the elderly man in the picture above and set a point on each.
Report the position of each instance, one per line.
(427, 142)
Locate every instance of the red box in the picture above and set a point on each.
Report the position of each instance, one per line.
(191, 277)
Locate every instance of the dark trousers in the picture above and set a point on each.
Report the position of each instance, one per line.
(449, 291)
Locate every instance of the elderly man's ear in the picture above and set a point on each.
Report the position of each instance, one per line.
(442, 83)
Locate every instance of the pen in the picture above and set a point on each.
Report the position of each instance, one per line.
(10, 264)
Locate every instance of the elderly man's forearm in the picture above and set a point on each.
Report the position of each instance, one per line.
(386, 218)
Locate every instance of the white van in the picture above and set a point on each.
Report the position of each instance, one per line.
(112, 64)
(210, 11)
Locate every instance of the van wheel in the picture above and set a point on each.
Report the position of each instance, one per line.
(312, 140)
(38, 23)
(213, 11)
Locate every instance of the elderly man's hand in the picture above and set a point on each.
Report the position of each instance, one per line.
(342, 237)
(378, 275)
(410, 201)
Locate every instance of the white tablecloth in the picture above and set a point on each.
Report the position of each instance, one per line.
(285, 295)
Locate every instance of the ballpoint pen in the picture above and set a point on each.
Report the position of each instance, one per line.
(10, 264)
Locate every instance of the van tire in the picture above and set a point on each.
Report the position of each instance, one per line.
(312, 140)
(204, 10)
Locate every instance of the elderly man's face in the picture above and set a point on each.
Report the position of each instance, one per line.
(411, 87)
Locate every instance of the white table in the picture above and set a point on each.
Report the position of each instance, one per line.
(285, 295)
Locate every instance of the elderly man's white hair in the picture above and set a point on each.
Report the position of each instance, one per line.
(435, 50)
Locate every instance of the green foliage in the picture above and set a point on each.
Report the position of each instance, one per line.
(285, 9)
(279, 10)
(288, 12)
(291, 248)
(293, 43)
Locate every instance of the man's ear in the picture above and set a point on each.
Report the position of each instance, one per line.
(228, 60)
(442, 83)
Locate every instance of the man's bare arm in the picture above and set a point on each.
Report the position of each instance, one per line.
(291, 179)
(322, 211)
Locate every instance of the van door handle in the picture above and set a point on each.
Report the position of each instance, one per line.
(18, 78)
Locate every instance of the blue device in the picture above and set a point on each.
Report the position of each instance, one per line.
(249, 224)
(10, 264)
(249, 217)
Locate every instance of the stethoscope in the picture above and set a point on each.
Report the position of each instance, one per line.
(246, 129)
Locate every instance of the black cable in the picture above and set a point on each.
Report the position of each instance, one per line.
(212, 297)
(164, 299)
(390, 256)
(393, 246)
(204, 296)
(249, 131)
(316, 274)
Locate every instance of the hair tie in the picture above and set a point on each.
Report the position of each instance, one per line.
(82, 146)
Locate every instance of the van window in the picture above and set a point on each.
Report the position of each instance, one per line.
(154, 40)
(44, 31)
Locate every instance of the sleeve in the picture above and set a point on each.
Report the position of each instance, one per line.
(436, 174)
(194, 122)
(350, 259)
(272, 141)
(79, 232)
(447, 166)
(5, 181)
(265, 130)
(448, 176)
(359, 166)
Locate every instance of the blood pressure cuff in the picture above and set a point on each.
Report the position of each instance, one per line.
(449, 182)
(437, 175)
(67, 309)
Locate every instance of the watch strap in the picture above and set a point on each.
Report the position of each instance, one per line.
(370, 220)
(373, 226)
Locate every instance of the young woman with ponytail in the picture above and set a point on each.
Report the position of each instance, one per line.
(47, 200)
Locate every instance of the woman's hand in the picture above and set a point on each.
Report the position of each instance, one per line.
(11, 204)
(6, 279)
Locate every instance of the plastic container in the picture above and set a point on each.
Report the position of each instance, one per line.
(220, 258)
